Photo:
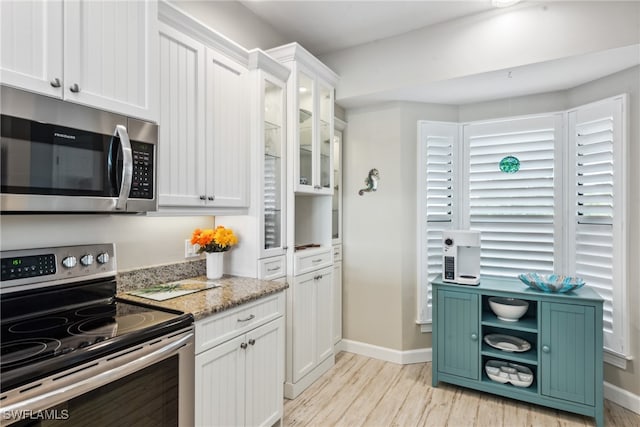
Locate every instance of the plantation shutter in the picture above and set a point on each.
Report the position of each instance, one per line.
(596, 133)
(515, 212)
(440, 145)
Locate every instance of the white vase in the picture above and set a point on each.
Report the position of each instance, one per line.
(215, 265)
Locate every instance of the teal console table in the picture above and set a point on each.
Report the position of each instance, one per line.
(564, 330)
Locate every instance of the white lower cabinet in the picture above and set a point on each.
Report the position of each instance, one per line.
(239, 382)
(311, 320)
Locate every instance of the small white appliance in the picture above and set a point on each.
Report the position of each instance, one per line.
(461, 257)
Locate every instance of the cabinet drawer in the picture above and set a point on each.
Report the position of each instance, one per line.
(337, 253)
(272, 268)
(313, 260)
(228, 324)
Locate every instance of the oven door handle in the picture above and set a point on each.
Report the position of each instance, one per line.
(61, 388)
(127, 167)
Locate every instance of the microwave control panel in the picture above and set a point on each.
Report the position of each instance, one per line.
(142, 180)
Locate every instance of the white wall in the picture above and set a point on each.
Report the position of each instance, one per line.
(525, 34)
(140, 241)
(379, 238)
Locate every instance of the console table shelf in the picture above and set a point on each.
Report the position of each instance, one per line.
(564, 330)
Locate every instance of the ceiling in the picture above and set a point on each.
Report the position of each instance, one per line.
(330, 25)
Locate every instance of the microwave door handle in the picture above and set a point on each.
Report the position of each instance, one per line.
(127, 167)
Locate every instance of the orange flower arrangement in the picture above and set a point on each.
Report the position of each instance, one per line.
(217, 239)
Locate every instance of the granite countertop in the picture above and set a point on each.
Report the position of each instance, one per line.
(233, 291)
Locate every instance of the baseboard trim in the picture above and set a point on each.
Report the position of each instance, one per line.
(622, 397)
(387, 354)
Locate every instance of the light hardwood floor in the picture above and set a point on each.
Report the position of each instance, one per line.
(360, 391)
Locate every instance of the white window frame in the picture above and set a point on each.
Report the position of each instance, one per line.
(564, 212)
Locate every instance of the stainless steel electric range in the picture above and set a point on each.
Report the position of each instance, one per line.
(71, 351)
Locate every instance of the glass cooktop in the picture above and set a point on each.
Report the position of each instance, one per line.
(55, 341)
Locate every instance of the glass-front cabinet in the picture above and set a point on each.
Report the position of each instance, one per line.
(315, 133)
(273, 168)
(336, 199)
(310, 105)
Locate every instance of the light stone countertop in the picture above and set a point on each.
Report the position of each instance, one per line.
(233, 292)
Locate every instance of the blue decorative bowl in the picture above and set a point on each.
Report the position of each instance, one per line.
(552, 283)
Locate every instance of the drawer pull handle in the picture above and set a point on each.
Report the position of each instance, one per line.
(247, 318)
(252, 341)
(317, 260)
(318, 277)
(273, 269)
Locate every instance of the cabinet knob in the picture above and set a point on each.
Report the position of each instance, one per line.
(74, 88)
(211, 198)
(252, 341)
(545, 349)
(203, 197)
(474, 337)
(55, 82)
(243, 345)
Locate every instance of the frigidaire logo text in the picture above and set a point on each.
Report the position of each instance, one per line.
(63, 135)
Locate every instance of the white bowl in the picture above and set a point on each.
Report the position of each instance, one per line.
(509, 309)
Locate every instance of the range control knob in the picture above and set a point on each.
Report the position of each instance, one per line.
(69, 261)
(103, 258)
(86, 260)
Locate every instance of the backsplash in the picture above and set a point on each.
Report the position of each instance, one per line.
(143, 277)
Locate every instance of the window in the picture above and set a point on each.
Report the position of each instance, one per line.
(596, 233)
(562, 211)
(516, 213)
(436, 207)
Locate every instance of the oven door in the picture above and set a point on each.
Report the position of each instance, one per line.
(149, 384)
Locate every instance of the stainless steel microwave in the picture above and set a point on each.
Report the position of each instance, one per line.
(56, 156)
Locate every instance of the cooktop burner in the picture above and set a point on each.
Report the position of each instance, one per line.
(50, 336)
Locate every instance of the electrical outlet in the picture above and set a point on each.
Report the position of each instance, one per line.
(190, 251)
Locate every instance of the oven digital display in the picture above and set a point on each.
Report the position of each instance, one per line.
(28, 266)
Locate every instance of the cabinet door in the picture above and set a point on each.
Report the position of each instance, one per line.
(567, 365)
(324, 160)
(220, 385)
(227, 133)
(31, 45)
(306, 128)
(458, 334)
(181, 177)
(265, 374)
(273, 183)
(304, 325)
(324, 310)
(337, 302)
(110, 58)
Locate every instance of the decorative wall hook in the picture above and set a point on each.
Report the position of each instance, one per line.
(371, 181)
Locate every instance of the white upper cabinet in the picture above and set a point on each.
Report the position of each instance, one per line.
(182, 166)
(227, 135)
(31, 45)
(203, 148)
(97, 53)
(310, 118)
